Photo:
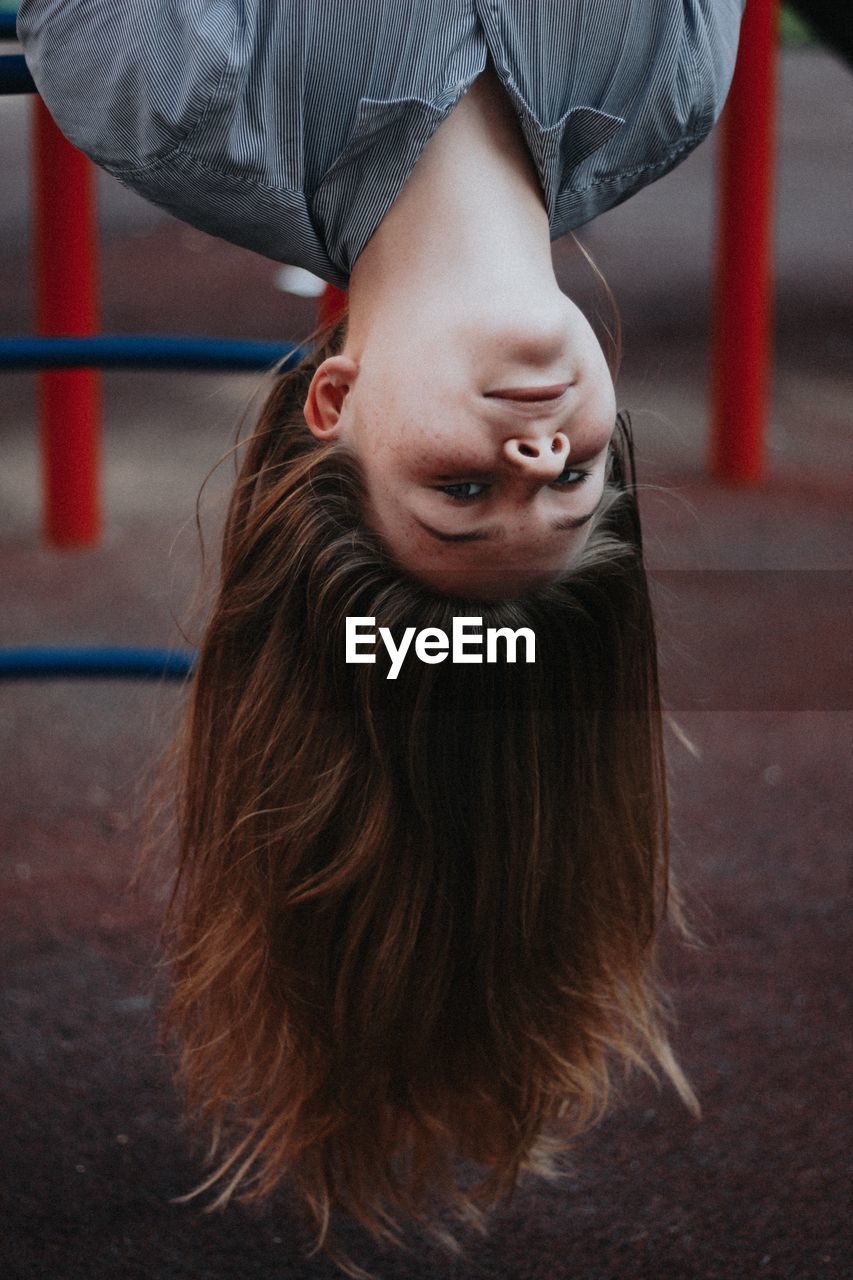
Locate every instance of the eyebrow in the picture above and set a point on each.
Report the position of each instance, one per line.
(496, 532)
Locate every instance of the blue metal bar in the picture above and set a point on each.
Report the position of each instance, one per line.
(33, 663)
(15, 74)
(140, 352)
(8, 26)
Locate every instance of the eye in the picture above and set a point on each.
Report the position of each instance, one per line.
(568, 478)
(461, 492)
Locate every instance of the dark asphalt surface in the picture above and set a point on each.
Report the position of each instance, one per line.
(754, 593)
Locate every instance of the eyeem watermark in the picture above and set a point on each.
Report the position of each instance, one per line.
(432, 645)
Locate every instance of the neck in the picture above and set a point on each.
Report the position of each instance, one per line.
(469, 230)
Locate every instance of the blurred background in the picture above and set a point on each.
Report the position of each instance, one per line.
(753, 587)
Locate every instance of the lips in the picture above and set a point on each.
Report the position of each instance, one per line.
(552, 392)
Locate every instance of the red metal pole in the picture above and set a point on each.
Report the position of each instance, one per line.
(66, 286)
(741, 342)
(333, 302)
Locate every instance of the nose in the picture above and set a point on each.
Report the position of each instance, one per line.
(542, 454)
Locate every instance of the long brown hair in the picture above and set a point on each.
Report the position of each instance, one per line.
(414, 921)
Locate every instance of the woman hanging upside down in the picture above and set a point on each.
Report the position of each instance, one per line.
(414, 919)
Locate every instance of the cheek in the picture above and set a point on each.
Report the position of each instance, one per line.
(590, 438)
(405, 442)
(595, 428)
(601, 392)
(385, 458)
(425, 454)
(604, 393)
(375, 436)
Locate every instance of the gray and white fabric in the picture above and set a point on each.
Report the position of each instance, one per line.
(290, 126)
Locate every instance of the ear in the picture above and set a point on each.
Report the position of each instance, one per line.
(327, 394)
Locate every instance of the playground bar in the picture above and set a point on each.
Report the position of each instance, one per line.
(65, 260)
(138, 352)
(741, 342)
(333, 302)
(66, 246)
(109, 662)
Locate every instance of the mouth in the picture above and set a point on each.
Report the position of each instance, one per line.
(531, 393)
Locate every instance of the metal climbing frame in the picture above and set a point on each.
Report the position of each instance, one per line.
(741, 344)
(65, 252)
(70, 348)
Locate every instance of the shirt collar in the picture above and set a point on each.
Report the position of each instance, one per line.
(389, 135)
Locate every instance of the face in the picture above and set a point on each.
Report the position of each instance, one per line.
(484, 450)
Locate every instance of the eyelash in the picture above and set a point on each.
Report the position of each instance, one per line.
(474, 497)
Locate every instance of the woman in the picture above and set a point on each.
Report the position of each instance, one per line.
(415, 918)
(422, 153)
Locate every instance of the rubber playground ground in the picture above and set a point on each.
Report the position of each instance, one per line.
(754, 601)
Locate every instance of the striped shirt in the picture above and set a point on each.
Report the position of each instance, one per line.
(290, 126)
